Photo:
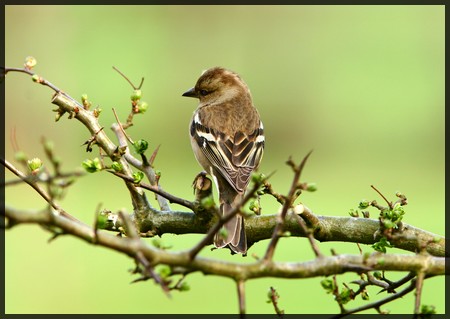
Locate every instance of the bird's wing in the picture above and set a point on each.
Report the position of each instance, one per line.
(234, 157)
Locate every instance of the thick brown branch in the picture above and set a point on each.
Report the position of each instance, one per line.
(327, 228)
(317, 267)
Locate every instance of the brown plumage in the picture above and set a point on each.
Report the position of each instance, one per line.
(227, 138)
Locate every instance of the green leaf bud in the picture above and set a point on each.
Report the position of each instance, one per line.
(328, 285)
(140, 146)
(363, 204)
(20, 156)
(92, 166)
(312, 187)
(116, 166)
(184, 286)
(34, 165)
(353, 212)
(137, 94)
(138, 177)
(142, 107)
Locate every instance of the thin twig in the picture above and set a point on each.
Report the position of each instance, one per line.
(336, 294)
(157, 190)
(287, 204)
(398, 283)
(419, 286)
(148, 170)
(132, 232)
(39, 80)
(241, 296)
(128, 80)
(38, 189)
(273, 295)
(379, 303)
(121, 127)
(385, 199)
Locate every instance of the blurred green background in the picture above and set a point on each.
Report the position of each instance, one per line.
(363, 86)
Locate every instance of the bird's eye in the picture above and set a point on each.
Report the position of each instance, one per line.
(204, 92)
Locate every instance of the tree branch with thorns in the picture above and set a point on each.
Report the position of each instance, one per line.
(294, 219)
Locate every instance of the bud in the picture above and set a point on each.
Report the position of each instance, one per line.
(257, 178)
(20, 156)
(142, 107)
(34, 165)
(353, 212)
(116, 166)
(366, 214)
(97, 111)
(30, 62)
(140, 146)
(92, 166)
(207, 202)
(312, 187)
(138, 177)
(365, 295)
(428, 310)
(364, 204)
(137, 94)
(164, 271)
(328, 285)
(101, 221)
(184, 286)
(85, 102)
(377, 275)
(49, 146)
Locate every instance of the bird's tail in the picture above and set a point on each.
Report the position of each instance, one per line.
(235, 237)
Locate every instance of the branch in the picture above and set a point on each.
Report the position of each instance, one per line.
(38, 189)
(241, 296)
(147, 169)
(319, 267)
(158, 190)
(379, 303)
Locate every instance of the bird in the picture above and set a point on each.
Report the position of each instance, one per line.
(227, 138)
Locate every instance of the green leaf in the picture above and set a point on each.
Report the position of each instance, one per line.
(428, 310)
(382, 244)
(346, 295)
(328, 285)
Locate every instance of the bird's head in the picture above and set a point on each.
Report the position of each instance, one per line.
(217, 85)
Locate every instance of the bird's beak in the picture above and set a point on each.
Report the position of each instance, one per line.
(190, 93)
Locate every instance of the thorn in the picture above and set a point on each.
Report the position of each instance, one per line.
(155, 152)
